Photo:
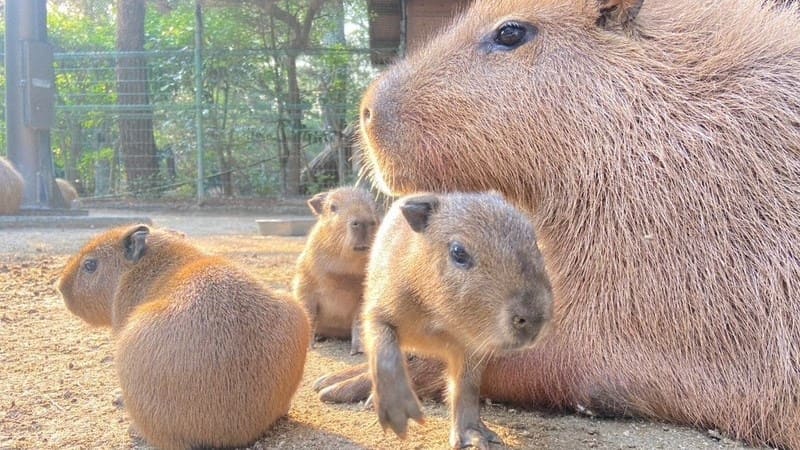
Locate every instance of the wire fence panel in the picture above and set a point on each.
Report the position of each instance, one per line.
(126, 123)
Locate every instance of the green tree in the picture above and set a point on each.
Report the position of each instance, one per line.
(136, 139)
(264, 98)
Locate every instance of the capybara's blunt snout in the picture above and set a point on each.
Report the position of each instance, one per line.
(366, 115)
(363, 232)
(367, 106)
(524, 324)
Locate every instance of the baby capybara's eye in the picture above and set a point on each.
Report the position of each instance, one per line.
(90, 265)
(513, 34)
(459, 256)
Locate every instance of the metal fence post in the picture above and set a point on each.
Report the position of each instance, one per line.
(198, 95)
(30, 99)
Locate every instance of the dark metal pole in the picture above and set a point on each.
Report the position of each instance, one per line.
(29, 81)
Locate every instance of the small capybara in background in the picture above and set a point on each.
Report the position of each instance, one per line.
(68, 192)
(329, 277)
(458, 277)
(205, 355)
(656, 145)
(11, 188)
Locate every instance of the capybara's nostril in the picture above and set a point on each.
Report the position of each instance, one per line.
(519, 322)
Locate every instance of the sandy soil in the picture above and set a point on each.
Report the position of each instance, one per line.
(58, 388)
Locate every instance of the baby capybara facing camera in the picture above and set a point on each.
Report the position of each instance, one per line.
(205, 355)
(458, 277)
(330, 272)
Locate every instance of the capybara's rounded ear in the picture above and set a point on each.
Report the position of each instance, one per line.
(418, 210)
(135, 242)
(317, 202)
(616, 12)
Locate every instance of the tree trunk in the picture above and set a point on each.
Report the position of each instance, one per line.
(301, 30)
(294, 158)
(136, 141)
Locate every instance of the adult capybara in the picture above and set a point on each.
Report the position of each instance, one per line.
(205, 355)
(657, 146)
(458, 277)
(68, 192)
(329, 277)
(11, 188)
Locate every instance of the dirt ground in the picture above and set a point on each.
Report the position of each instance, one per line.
(58, 387)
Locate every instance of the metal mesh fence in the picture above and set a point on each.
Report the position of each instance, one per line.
(119, 113)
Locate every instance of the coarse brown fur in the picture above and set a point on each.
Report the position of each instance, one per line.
(659, 156)
(458, 277)
(68, 192)
(329, 277)
(11, 188)
(205, 355)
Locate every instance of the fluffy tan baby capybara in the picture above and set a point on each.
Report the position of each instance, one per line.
(206, 356)
(11, 188)
(329, 277)
(68, 191)
(656, 145)
(458, 277)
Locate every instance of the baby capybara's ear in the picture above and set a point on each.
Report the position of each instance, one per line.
(317, 202)
(418, 211)
(616, 12)
(135, 242)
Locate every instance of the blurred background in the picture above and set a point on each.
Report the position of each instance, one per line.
(185, 99)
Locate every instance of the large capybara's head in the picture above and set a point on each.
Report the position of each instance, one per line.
(90, 278)
(349, 217)
(509, 77)
(478, 268)
(528, 96)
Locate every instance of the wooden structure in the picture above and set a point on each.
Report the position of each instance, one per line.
(397, 27)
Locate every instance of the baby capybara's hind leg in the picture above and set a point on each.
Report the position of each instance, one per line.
(354, 385)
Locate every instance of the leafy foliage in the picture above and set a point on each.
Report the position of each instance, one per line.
(245, 90)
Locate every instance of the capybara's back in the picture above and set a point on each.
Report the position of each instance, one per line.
(206, 356)
(657, 145)
(11, 188)
(68, 191)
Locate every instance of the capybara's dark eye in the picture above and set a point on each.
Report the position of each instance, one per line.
(90, 265)
(334, 208)
(459, 256)
(509, 36)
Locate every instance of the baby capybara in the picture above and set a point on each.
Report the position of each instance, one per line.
(458, 277)
(329, 278)
(11, 188)
(656, 145)
(206, 356)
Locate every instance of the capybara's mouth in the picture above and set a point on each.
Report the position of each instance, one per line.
(361, 248)
(518, 342)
